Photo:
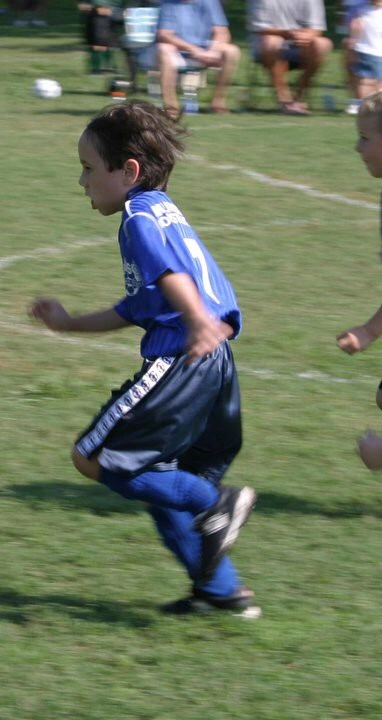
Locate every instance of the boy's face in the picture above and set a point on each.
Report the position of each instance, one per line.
(369, 144)
(106, 189)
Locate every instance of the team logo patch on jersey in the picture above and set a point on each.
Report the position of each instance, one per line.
(133, 278)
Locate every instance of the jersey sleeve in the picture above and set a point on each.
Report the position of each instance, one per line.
(122, 307)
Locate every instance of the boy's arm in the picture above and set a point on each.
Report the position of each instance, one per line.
(359, 338)
(50, 312)
(205, 332)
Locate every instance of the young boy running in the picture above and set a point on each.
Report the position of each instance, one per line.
(356, 339)
(168, 436)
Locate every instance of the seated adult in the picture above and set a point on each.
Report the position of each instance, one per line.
(194, 32)
(288, 34)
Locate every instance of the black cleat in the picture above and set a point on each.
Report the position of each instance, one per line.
(202, 603)
(220, 525)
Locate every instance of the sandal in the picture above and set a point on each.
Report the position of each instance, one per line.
(172, 112)
(219, 110)
(294, 108)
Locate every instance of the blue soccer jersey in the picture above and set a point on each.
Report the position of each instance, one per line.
(155, 237)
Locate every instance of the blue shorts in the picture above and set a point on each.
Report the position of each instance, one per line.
(170, 415)
(367, 66)
(289, 52)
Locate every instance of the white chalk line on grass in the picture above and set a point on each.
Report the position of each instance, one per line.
(50, 251)
(14, 325)
(40, 253)
(83, 341)
(265, 374)
(290, 184)
(54, 251)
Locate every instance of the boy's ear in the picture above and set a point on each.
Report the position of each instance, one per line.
(131, 170)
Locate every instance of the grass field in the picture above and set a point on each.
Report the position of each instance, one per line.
(291, 214)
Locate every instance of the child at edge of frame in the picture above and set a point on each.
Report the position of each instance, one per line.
(358, 338)
(167, 436)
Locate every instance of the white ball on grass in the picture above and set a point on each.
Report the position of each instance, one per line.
(46, 88)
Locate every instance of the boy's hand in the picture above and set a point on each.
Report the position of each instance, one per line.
(204, 332)
(205, 336)
(370, 450)
(51, 313)
(355, 339)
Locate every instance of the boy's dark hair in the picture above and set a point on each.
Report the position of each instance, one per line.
(142, 132)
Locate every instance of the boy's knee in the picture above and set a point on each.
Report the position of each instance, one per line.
(88, 468)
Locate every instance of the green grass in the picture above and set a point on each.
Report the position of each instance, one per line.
(81, 571)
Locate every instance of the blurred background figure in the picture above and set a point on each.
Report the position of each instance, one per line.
(348, 10)
(285, 35)
(363, 51)
(28, 12)
(99, 35)
(194, 32)
(139, 41)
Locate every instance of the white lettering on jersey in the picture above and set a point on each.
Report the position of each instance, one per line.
(196, 253)
(167, 214)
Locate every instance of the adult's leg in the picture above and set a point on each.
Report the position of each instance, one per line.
(312, 57)
(270, 54)
(348, 61)
(168, 68)
(365, 86)
(229, 56)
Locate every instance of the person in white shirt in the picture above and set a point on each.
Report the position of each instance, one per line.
(349, 10)
(366, 39)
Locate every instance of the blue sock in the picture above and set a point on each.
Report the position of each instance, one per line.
(176, 489)
(178, 535)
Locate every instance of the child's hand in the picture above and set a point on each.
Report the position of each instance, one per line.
(354, 340)
(205, 336)
(370, 450)
(51, 313)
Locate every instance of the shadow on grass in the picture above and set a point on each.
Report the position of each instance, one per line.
(94, 498)
(273, 503)
(100, 501)
(18, 608)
